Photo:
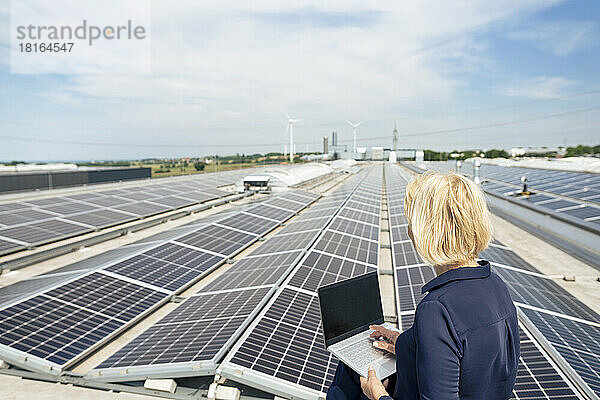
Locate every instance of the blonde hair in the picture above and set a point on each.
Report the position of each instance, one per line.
(448, 217)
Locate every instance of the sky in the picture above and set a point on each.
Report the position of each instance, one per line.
(451, 74)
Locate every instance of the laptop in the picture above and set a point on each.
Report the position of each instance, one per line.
(347, 309)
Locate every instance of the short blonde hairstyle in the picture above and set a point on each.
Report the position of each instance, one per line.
(448, 217)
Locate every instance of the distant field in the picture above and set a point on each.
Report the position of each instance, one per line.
(159, 171)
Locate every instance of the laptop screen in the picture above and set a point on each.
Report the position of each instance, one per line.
(349, 307)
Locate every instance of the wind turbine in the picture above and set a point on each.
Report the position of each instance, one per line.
(291, 122)
(354, 126)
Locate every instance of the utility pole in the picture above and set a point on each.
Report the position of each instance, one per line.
(395, 137)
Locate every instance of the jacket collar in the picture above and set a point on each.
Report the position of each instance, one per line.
(483, 271)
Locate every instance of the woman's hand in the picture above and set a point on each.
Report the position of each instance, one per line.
(389, 335)
(372, 386)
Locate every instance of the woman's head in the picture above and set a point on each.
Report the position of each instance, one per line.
(448, 218)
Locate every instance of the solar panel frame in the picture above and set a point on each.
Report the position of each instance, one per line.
(282, 318)
(542, 292)
(304, 225)
(249, 223)
(8, 246)
(101, 218)
(289, 242)
(225, 324)
(350, 247)
(272, 212)
(257, 270)
(574, 345)
(538, 377)
(304, 347)
(65, 352)
(217, 239)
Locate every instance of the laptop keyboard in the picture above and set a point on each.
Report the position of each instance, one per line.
(361, 352)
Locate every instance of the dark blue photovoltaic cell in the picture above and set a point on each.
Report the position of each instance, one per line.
(107, 295)
(537, 378)
(218, 239)
(578, 343)
(544, 293)
(53, 330)
(194, 331)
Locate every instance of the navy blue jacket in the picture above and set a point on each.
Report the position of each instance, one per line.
(464, 343)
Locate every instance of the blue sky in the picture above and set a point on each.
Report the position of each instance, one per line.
(223, 76)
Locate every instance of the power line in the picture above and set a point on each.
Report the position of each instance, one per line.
(255, 145)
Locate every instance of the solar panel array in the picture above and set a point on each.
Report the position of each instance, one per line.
(572, 194)
(31, 223)
(283, 351)
(95, 305)
(410, 272)
(194, 337)
(559, 318)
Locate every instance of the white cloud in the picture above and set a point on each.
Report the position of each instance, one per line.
(225, 71)
(561, 38)
(542, 87)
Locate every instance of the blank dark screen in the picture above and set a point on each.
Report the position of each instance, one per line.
(349, 305)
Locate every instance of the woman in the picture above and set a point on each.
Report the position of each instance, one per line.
(464, 342)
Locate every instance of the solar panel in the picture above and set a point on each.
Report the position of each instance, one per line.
(274, 213)
(284, 350)
(286, 204)
(46, 202)
(557, 316)
(255, 271)
(359, 216)
(398, 220)
(30, 234)
(304, 225)
(199, 196)
(322, 269)
(70, 208)
(302, 193)
(355, 228)
(7, 247)
(348, 247)
(101, 218)
(537, 376)
(557, 204)
(249, 223)
(362, 207)
(584, 212)
(541, 291)
(108, 295)
(286, 343)
(108, 201)
(301, 197)
(399, 233)
(503, 256)
(23, 216)
(168, 266)
(218, 239)
(405, 254)
(59, 326)
(409, 281)
(52, 330)
(577, 342)
(315, 212)
(143, 208)
(208, 321)
(13, 206)
(173, 201)
(283, 243)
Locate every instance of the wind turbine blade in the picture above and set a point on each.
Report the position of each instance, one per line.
(287, 115)
(357, 125)
(349, 123)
